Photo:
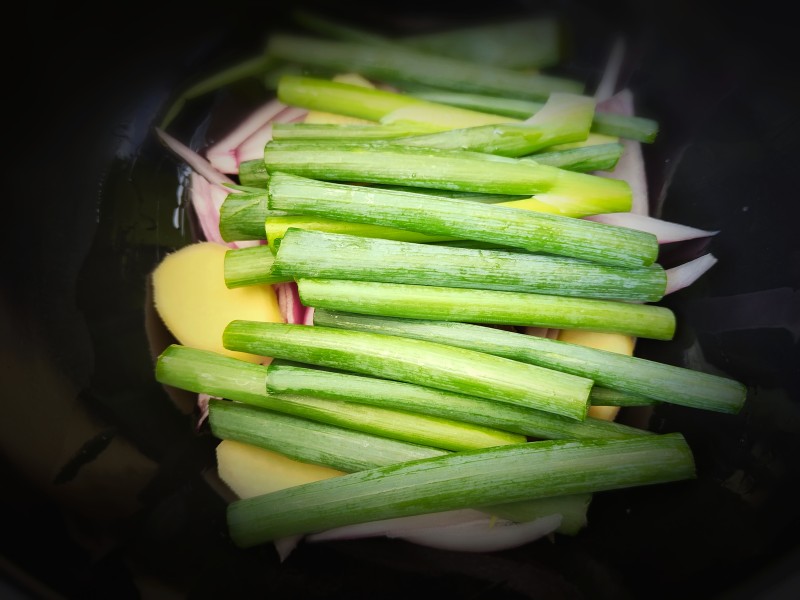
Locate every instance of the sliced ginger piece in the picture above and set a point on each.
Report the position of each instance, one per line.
(191, 297)
(613, 342)
(251, 471)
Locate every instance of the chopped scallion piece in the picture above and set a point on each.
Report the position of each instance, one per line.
(495, 307)
(577, 194)
(490, 476)
(415, 361)
(310, 441)
(659, 381)
(251, 266)
(640, 129)
(320, 255)
(204, 371)
(283, 378)
(454, 218)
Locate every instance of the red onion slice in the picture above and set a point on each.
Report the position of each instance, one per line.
(206, 201)
(665, 231)
(686, 274)
(630, 166)
(207, 190)
(293, 114)
(202, 406)
(252, 147)
(195, 161)
(292, 309)
(223, 153)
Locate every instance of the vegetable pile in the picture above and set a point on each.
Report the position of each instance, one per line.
(426, 263)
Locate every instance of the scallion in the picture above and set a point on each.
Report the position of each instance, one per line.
(447, 169)
(440, 303)
(310, 441)
(415, 361)
(320, 255)
(288, 378)
(490, 476)
(651, 379)
(455, 218)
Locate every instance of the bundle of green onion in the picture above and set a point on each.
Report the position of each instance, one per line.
(448, 204)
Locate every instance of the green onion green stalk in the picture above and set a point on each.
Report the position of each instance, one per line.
(577, 194)
(416, 361)
(494, 307)
(640, 129)
(207, 372)
(310, 441)
(638, 376)
(251, 266)
(502, 474)
(353, 451)
(314, 254)
(462, 219)
(436, 108)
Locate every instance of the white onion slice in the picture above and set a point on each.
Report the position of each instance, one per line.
(285, 546)
(686, 274)
(485, 535)
(223, 153)
(464, 530)
(665, 231)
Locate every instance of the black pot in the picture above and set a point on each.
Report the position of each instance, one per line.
(109, 487)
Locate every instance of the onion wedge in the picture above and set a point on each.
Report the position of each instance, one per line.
(665, 231)
(686, 274)
(630, 166)
(484, 535)
(252, 147)
(222, 155)
(464, 530)
(292, 309)
(195, 161)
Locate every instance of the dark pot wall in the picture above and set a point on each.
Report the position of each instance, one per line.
(107, 491)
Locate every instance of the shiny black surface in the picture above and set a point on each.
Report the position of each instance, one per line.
(106, 485)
